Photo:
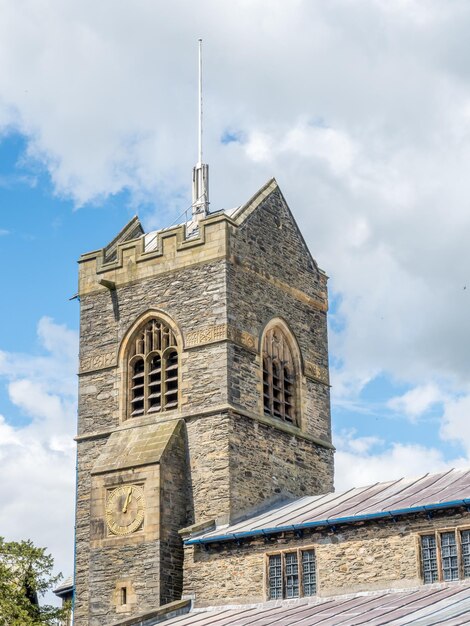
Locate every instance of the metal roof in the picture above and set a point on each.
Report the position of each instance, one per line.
(65, 587)
(390, 499)
(431, 605)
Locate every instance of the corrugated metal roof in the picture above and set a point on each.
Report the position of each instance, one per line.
(428, 606)
(389, 499)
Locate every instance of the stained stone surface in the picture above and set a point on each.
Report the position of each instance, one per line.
(220, 289)
(132, 447)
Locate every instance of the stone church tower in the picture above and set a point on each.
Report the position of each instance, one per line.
(203, 393)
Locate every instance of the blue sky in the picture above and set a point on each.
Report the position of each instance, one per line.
(44, 235)
(362, 115)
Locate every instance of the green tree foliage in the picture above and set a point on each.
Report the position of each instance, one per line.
(25, 576)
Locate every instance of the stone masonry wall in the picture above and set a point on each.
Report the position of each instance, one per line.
(208, 453)
(132, 561)
(174, 515)
(88, 452)
(374, 555)
(190, 297)
(271, 274)
(267, 464)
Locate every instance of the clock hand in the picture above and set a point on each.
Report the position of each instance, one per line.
(124, 510)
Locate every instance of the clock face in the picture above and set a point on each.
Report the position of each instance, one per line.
(125, 509)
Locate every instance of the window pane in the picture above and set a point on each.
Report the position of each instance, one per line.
(429, 558)
(275, 577)
(309, 574)
(292, 575)
(450, 566)
(465, 538)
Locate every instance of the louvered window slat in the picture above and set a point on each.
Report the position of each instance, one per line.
(153, 364)
(279, 380)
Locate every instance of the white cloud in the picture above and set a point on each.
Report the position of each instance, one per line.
(456, 422)
(37, 489)
(364, 461)
(313, 143)
(55, 372)
(417, 401)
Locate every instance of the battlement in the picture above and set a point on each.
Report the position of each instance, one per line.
(169, 249)
(134, 255)
(127, 257)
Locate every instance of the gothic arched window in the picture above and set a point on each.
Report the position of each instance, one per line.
(152, 367)
(279, 377)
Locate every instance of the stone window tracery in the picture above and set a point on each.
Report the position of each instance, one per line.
(279, 377)
(153, 363)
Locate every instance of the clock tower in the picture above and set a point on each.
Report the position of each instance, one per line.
(204, 392)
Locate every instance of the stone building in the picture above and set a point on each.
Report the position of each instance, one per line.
(64, 591)
(204, 419)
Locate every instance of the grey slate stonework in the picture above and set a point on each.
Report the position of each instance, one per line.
(230, 457)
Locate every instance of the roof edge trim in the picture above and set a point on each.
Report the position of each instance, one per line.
(330, 522)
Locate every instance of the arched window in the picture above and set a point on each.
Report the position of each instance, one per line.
(153, 370)
(279, 377)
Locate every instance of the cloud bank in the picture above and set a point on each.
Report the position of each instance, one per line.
(37, 459)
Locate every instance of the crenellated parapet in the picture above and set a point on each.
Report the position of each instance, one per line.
(169, 249)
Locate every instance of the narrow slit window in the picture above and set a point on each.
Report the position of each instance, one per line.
(155, 384)
(279, 377)
(266, 387)
(292, 575)
(171, 379)
(309, 573)
(153, 365)
(123, 595)
(450, 564)
(288, 395)
(429, 559)
(465, 544)
(275, 577)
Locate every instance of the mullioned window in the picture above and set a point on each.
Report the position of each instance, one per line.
(445, 556)
(292, 574)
